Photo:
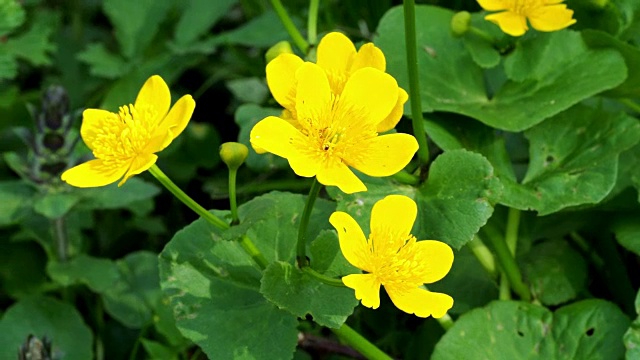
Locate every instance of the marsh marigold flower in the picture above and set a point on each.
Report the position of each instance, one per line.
(124, 144)
(392, 257)
(339, 59)
(334, 132)
(544, 15)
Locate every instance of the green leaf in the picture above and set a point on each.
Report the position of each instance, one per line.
(157, 350)
(12, 15)
(573, 160)
(102, 62)
(556, 272)
(135, 22)
(451, 81)
(8, 66)
(482, 51)
(17, 198)
(627, 231)
(589, 329)
(326, 256)
(601, 40)
(199, 16)
(34, 45)
(133, 298)
(59, 322)
(249, 90)
(632, 336)
(22, 269)
(457, 199)
(100, 275)
(262, 31)
(295, 291)
(246, 117)
(55, 205)
(272, 221)
(217, 304)
(114, 197)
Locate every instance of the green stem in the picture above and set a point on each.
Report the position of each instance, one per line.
(182, 196)
(630, 104)
(446, 322)
(134, 352)
(504, 290)
(511, 234)
(481, 34)
(406, 177)
(322, 278)
(508, 263)
(297, 38)
(301, 248)
(580, 242)
(484, 255)
(233, 204)
(61, 239)
(312, 23)
(246, 243)
(414, 83)
(358, 342)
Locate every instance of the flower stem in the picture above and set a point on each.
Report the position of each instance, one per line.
(297, 38)
(446, 322)
(630, 104)
(414, 83)
(233, 204)
(312, 22)
(511, 234)
(182, 196)
(322, 278)
(481, 34)
(484, 255)
(304, 223)
(61, 239)
(406, 177)
(358, 342)
(507, 262)
(246, 243)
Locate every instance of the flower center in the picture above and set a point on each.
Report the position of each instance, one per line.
(393, 261)
(124, 135)
(337, 80)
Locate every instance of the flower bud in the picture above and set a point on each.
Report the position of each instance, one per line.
(460, 23)
(55, 106)
(34, 348)
(233, 154)
(283, 47)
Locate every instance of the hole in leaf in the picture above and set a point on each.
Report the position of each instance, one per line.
(520, 333)
(549, 158)
(590, 331)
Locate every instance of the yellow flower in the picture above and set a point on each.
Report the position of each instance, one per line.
(335, 132)
(394, 259)
(125, 143)
(338, 57)
(544, 15)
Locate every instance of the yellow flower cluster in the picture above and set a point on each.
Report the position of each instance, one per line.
(334, 110)
(544, 15)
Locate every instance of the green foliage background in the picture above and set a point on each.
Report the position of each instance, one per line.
(545, 126)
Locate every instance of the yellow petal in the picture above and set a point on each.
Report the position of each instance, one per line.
(383, 155)
(338, 174)
(371, 93)
(436, 256)
(367, 288)
(392, 218)
(494, 5)
(303, 164)
(93, 122)
(276, 136)
(396, 113)
(313, 95)
(155, 95)
(551, 18)
(369, 56)
(140, 163)
(175, 122)
(509, 22)
(93, 173)
(281, 79)
(421, 302)
(353, 243)
(335, 52)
